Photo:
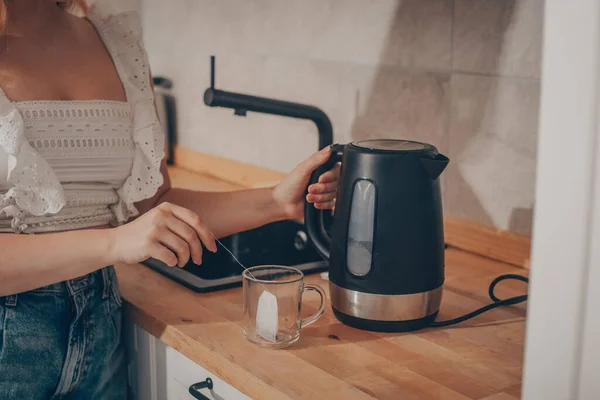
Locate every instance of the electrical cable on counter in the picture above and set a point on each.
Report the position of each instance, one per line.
(497, 302)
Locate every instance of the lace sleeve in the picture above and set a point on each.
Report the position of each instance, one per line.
(34, 189)
(122, 34)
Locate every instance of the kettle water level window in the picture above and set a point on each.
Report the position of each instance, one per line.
(360, 228)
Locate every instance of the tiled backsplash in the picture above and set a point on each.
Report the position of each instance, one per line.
(460, 74)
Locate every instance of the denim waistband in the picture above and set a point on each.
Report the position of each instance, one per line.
(100, 280)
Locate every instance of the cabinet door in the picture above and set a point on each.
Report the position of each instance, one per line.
(183, 372)
(159, 372)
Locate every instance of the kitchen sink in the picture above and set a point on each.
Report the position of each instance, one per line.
(279, 243)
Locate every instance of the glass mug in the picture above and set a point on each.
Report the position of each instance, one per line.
(286, 285)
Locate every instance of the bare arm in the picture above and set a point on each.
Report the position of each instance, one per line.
(230, 212)
(168, 233)
(224, 212)
(31, 261)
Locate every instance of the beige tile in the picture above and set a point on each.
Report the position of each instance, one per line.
(490, 183)
(216, 131)
(363, 64)
(395, 103)
(420, 35)
(460, 199)
(505, 107)
(498, 36)
(389, 102)
(162, 27)
(269, 141)
(411, 33)
(282, 149)
(333, 30)
(362, 102)
(286, 141)
(492, 147)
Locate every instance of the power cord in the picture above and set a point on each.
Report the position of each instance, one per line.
(497, 302)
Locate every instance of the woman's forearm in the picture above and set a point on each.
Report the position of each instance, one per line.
(229, 212)
(31, 261)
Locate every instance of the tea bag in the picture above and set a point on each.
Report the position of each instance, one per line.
(267, 317)
(267, 313)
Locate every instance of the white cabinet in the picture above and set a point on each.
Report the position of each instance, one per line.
(183, 373)
(159, 372)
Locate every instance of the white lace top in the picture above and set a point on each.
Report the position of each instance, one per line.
(77, 164)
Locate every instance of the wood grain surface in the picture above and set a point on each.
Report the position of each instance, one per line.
(478, 359)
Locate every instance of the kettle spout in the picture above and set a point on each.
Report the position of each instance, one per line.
(435, 166)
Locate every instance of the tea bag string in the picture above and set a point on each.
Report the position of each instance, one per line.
(238, 261)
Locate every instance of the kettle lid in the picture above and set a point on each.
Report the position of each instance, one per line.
(395, 145)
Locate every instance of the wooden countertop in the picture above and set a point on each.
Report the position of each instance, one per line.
(478, 359)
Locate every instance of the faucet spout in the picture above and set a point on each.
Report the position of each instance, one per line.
(242, 103)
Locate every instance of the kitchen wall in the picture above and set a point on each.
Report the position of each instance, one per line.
(461, 74)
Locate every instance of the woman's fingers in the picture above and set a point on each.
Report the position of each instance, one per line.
(177, 245)
(188, 234)
(323, 188)
(320, 198)
(323, 194)
(328, 205)
(328, 183)
(330, 176)
(193, 220)
(163, 254)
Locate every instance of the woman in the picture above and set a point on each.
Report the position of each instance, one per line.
(81, 168)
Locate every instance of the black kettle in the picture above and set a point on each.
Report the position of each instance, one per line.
(386, 250)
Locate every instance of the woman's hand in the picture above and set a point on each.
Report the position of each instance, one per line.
(168, 233)
(289, 194)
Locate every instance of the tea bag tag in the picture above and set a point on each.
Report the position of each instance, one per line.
(267, 317)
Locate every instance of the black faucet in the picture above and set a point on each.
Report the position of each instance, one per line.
(242, 103)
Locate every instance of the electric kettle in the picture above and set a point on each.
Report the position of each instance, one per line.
(386, 249)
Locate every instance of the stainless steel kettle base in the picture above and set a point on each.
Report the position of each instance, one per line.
(384, 326)
(385, 313)
(384, 307)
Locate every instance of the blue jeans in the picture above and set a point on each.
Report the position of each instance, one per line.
(63, 341)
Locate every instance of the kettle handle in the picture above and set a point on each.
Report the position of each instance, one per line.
(313, 218)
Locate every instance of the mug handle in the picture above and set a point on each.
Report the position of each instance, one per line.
(320, 311)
